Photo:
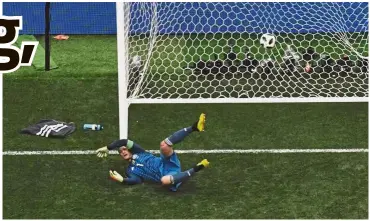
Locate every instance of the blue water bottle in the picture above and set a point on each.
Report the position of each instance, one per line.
(93, 127)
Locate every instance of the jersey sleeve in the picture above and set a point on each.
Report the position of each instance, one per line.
(132, 180)
(131, 146)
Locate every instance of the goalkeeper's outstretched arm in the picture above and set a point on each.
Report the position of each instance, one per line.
(119, 143)
(131, 180)
(130, 145)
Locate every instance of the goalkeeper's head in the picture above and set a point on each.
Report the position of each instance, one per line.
(125, 153)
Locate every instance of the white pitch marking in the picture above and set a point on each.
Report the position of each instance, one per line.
(219, 151)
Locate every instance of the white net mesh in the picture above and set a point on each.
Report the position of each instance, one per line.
(214, 50)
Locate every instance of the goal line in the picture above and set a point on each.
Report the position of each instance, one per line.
(219, 151)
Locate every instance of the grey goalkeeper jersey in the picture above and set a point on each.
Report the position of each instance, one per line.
(50, 128)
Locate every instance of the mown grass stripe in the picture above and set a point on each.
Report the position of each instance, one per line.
(219, 151)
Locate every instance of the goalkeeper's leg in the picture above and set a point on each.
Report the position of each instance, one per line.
(183, 176)
(180, 135)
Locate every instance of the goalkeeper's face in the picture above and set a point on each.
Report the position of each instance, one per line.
(125, 154)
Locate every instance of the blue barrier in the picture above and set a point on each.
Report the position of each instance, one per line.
(99, 18)
(66, 18)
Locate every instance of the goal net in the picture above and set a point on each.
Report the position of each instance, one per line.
(242, 52)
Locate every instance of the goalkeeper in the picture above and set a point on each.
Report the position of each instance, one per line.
(144, 166)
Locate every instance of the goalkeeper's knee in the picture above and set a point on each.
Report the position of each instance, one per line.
(166, 149)
(167, 180)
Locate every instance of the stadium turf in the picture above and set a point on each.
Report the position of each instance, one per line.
(242, 186)
(263, 186)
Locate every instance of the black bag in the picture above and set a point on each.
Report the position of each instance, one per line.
(50, 128)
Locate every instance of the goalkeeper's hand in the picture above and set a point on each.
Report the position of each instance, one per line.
(102, 152)
(115, 176)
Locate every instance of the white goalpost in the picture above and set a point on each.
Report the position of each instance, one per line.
(244, 52)
(123, 17)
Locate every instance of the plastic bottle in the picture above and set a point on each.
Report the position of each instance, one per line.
(93, 127)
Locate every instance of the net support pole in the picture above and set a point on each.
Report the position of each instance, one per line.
(123, 24)
(47, 36)
(1, 105)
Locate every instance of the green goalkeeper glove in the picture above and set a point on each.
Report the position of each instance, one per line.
(115, 176)
(102, 152)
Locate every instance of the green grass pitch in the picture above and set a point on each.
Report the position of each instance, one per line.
(236, 186)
